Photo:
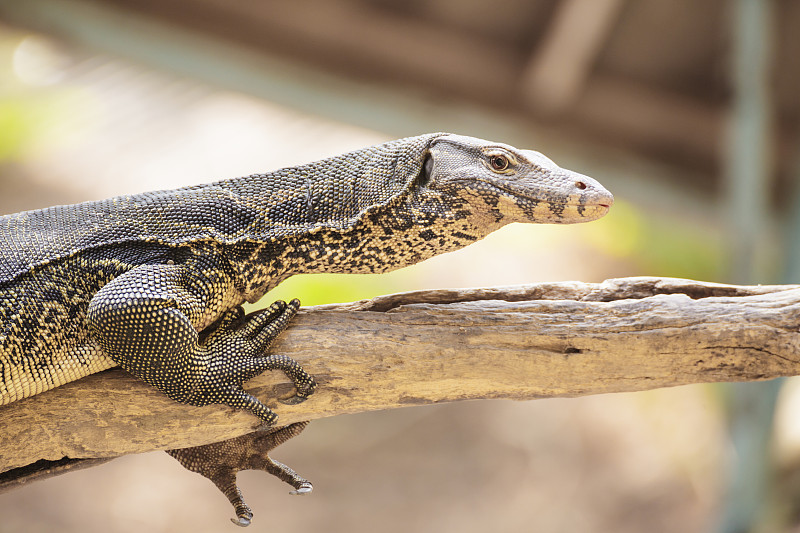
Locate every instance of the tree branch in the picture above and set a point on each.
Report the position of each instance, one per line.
(526, 342)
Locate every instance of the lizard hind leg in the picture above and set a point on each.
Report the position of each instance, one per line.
(221, 461)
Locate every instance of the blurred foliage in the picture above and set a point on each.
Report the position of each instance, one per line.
(659, 244)
(318, 289)
(30, 122)
(32, 103)
(15, 128)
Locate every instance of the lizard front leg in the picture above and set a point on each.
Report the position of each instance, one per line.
(144, 320)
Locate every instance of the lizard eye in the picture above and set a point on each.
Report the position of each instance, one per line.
(498, 162)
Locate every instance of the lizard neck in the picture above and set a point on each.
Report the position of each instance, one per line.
(381, 241)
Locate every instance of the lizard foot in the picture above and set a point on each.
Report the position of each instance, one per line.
(142, 321)
(233, 350)
(221, 461)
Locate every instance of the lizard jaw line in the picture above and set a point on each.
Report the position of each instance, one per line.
(514, 194)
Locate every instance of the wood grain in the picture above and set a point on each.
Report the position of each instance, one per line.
(523, 342)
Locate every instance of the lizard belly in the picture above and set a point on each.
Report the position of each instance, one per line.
(44, 342)
(44, 338)
(31, 376)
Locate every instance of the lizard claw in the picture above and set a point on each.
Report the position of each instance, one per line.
(294, 400)
(302, 490)
(242, 521)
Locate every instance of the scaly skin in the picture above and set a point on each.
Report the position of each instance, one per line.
(154, 282)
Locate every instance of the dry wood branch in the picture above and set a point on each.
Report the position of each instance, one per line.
(545, 340)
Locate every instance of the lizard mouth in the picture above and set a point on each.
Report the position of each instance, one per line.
(516, 193)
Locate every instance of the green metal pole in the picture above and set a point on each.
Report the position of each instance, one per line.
(748, 148)
(748, 171)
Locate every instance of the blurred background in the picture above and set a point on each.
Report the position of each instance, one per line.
(687, 111)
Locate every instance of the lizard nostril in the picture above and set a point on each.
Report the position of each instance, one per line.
(581, 185)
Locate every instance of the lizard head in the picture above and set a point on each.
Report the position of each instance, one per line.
(503, 184)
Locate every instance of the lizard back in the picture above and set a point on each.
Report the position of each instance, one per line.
(332, 193)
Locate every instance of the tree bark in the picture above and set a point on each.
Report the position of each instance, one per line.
(524, 342)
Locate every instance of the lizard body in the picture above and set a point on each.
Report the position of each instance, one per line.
(154, 282)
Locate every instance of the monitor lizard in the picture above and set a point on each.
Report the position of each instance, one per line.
(154, 282)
